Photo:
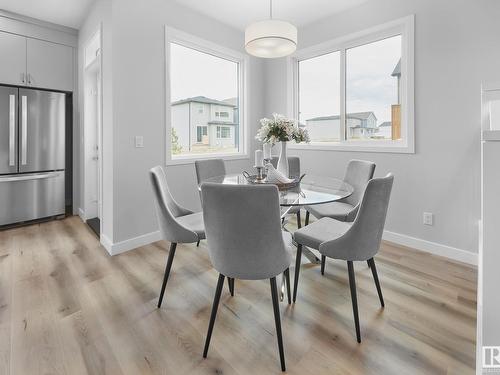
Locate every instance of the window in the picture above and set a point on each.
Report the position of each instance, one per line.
(356, 93)
(222, 114)
(373, 75)
(204, 80)
(223, 132)
(319, 97)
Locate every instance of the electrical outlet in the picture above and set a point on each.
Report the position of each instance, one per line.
(139, 141)
(428, 218)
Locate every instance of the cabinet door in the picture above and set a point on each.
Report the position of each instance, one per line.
(49, 65)
(13, 59)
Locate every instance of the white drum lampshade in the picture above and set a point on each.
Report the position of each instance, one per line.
(271, 39)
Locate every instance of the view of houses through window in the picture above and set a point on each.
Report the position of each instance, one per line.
(204, 91)
(372, 93)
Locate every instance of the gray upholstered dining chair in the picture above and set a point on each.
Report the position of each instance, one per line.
(358, 173)
(207, 169)
(245, 241)
(294, 171)
(356, 241)
(177, 224)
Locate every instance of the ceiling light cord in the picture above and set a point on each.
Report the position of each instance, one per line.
(271, 9)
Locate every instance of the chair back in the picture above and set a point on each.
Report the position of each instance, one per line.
(242, 226)
(209, 168)
(362, 240)
(167, 209)
(358, 173)
(293, 165)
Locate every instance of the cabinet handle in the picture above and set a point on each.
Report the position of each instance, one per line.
(23, 80)
(29, 79)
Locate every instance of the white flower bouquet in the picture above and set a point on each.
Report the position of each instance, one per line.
(280, 129)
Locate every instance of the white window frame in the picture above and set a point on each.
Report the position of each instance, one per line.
(187, 40)
(404, 27)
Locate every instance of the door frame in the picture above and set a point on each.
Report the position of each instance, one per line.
(99, 132)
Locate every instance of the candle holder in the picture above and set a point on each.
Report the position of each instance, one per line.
(260, 174)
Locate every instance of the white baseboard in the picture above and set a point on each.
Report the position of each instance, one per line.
(130, 244)
(81, 213)
(431, 247)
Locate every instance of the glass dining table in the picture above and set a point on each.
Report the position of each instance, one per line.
(311, 190)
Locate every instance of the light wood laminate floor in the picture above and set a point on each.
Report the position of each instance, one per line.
(66, 307)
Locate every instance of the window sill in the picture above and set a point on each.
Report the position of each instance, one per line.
(190, 159)
(381, 146)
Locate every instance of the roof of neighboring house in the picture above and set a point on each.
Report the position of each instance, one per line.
(204, 100)
(397, 69)
(386, 123)
(232, 101)
(222, 123)
(356, 115)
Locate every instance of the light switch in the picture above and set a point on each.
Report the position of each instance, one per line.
(139, 141)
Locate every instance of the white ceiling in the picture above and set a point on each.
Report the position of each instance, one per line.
(240, 13)
(62, 12)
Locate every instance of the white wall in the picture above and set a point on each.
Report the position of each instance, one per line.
(100, 14)
(456, 48)
(139, 108)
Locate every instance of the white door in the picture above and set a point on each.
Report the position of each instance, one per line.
(13, 59)
(49, 65)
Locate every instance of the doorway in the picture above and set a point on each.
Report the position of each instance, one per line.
(92, 105)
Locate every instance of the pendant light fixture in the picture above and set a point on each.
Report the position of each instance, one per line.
(271, 38)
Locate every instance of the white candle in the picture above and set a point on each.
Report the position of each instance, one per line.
(267, 150)
(259, 158)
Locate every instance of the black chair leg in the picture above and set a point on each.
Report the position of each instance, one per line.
(307, 218)
(323, 263)
(230, 283)
(352, 284)
(218, 291)
(299, 221)
(277, 320)
(170, 260)
(198, 243)
(297, 270)
(287, 281)
(371, 263)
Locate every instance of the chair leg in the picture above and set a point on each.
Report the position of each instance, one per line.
(299, 221)
(371, 263)
(352, 284)
(230, 284)
(170, 260)
(297, 270)
(198, 243)
(287, 281)
(323, 263)
(276, 308)
(218, 291)
(307, 218)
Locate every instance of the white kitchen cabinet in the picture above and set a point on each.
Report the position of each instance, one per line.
(13, 59)
(35, 63)
(49, 65)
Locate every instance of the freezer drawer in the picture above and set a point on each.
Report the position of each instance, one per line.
(31, 196)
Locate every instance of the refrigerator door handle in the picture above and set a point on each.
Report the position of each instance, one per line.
(24, 129)
(39, 176)
(12, 130)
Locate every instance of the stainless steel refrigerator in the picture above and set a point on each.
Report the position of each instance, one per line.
(32, 154)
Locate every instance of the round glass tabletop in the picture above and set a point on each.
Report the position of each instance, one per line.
(311, 190)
